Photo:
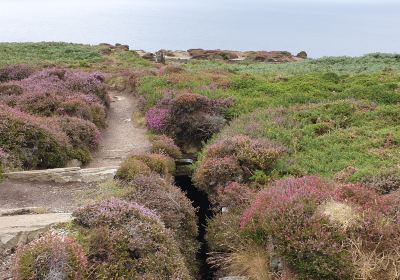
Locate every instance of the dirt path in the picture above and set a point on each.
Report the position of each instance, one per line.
(122, 136)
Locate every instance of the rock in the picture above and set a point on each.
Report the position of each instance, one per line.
(302, 55)
(270, 56)
(148, 56)
(160, 57)
(212, 54)
(24, 228)
(65, 175)
(122, 47)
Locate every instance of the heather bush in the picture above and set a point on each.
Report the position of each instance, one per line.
(157, 119)
(386, 182)
(235, 196)
(125, 240)
(81, 133)
(51, 257)
(322, 232)
(130, 168)
(158, 163)
(10, 89)
(238, 159)
(187, 117)
(254, 154)
(287, 214)
(15, 72)
(35, 142)
(174, 209)
(215, 173)
(162, 144)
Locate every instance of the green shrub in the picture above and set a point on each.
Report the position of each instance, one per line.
(130, 168)
(158, 163)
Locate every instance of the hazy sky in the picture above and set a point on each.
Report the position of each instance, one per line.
(324, 27)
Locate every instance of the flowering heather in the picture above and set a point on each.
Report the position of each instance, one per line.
(112, 213)
(15, 72)
(235, 196)
(174, 208)
(51, 257)
(214, 173)
(125, 239)
(81, 133)
(162, 144)
(57, 94)
(36, 141)
(157, 119)
(252, 153)
(283, 194)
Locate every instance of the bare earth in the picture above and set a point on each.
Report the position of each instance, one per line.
(121, 138)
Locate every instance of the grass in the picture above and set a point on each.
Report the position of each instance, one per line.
(370, 63)
(69, 55)
(49, 53)
(330, 113)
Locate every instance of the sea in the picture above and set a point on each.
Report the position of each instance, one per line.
(321, 28)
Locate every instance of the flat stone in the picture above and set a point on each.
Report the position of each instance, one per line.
(65, 175)
(22, 228)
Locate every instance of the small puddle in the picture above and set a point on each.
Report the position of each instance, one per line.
(199, 200)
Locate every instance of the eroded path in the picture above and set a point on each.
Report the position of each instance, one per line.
(121, 138)
(122, 135)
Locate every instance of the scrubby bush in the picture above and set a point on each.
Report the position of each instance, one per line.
(174, 208)
(287, 214)
(214, 173)
(187, 117)
(157, 119)
(130, 168)
(235, 196)
(386, 182)
(162, 144)
(323, 232)
(235, 159)
(46, 125)
(158, 163)
(128, 241)
(254, 154)
(51, 257)
(81, 133)
(34, 141)
(15, 72)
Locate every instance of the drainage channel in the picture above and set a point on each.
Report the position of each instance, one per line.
(199, 200)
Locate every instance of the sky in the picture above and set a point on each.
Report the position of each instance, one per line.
(322, 28)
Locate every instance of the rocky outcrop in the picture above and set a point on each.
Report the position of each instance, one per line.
(212, 54)
(226, 55)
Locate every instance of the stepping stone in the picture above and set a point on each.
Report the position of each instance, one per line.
(24, 228)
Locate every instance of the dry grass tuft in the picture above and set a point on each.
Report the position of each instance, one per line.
(372, 265)
(340, 213)
(252, 262)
